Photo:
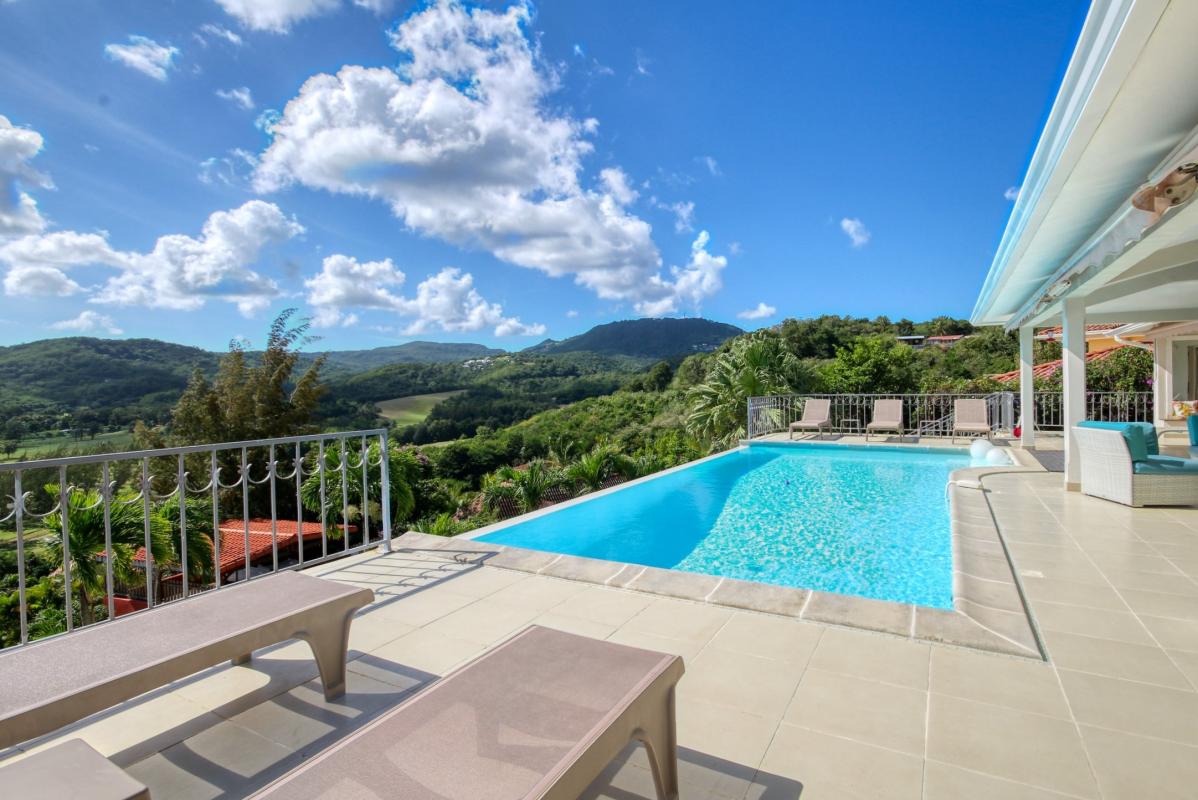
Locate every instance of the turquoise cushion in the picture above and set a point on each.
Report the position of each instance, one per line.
(1166, 465)
(1132, 434)
(1150, 440)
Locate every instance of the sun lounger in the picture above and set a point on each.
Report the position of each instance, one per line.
(817, 415)
(72, 770)
(888, 416)
(539, 716)
(971, 418)
(56, 682)
(1121, 461)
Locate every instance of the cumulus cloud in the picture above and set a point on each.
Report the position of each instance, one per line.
(760, 312)
(713, 166)
(240, 96)
(615, 181)
(855, 229)
(446, 301)
(460, 143)
(277, 16)
(18, 211)
(690, 285)
(572, 313)
(144, 55)
(181, 272)
(1012, 193)
(209, 31)
(87, 322)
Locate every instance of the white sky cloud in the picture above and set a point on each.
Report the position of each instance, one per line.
(1012, 193)
(712, 165)
(18, 211)
(89, 321)
(144, 55)
(446, 301)
(855, 229)
(209, 31)
(277, 16)
(240, 96)
(689, 286)
(762, 311)
(462, 144)
(735, 248)
(180, 272)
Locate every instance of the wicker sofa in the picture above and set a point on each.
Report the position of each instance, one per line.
(1121, 461)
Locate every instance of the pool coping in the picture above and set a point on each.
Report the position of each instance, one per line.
(990, 611)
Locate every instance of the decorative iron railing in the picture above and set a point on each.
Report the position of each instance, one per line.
(923, 414)
(1104, 406)
(294, 501)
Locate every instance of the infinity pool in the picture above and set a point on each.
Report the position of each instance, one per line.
(867, 521)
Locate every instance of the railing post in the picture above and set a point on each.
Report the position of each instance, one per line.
(385, 480)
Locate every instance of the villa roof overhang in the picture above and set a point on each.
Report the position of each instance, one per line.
(1125, 117)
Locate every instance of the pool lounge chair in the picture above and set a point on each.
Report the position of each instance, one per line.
(1121, 461)
(817, 415)
(888, 416)
(971, 418)
(539, 716)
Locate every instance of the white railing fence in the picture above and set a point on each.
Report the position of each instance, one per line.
(932, 414)
(271, 504)
(923, 414)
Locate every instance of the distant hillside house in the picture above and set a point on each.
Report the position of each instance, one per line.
(945, 342)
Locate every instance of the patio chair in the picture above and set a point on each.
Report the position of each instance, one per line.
(539, 716)
(971, 417)
(1121, 461)
(888, 416)
(817, 415)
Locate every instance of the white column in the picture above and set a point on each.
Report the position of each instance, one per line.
(1027, 396)
(1162, 380)
(1073, 382)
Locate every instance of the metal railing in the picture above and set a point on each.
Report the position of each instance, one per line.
(923, 414)
(1103, 406)
(932, 414)
(135, 509)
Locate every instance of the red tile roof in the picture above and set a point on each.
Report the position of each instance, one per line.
(1049, 368)
(232, 541)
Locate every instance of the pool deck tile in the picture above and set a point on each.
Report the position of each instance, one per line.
(859, 612)
(751, 596)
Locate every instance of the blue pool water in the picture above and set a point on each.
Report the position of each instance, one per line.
(867, 521)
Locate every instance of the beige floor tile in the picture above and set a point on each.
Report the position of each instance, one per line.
(678, 619)
(946, 782)
(769, 637)
(1016, 745)
(1135, 768)
(483, 581)
(228, 689)
(302, 720)
(603, 605)
(426, 651)
(1019, 683)
(737, 736)
(873, 656)
(1068, 566)
(1174, 634)
(688, 649)
(830, 767)
(875, 713)
(1122, 626)
(485, 623)
(421, 608)
(1137, 708)
(1152, 582)
(1055, 590)
(747, 683)
(370, 632)
(1187, 662)
(1124, 561)
(1161, 605)
(536, 593)
(1133, 662)
(226, 760)
(583, 627)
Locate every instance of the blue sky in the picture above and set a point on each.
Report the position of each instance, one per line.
(503, 172)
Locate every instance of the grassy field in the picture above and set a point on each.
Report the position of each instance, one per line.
(412, 409)
(40, 447)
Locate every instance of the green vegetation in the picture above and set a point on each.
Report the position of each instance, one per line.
(645, 338)
(412, 409)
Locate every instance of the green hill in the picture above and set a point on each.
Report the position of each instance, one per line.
(350, 361)
(645, 338)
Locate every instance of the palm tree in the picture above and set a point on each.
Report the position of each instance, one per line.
(526, 488)
(440, 525)
(403, 471)
(755, 365)
(592, 468)
(85, 535)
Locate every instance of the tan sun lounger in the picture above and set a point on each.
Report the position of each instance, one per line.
(970, 417)
(49, 684)
(72, 769)
(817, 415)
(888, 416)
(539, 716)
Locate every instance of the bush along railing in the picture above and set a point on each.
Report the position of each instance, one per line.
(1102, 406)
(84, 539)
(923, 414)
